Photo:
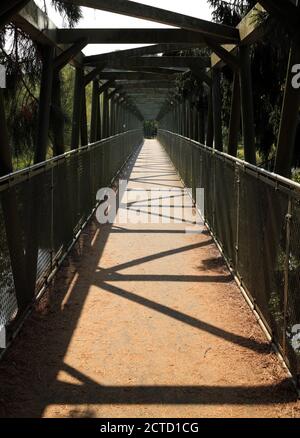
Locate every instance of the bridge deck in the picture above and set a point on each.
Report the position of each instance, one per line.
(144, 320)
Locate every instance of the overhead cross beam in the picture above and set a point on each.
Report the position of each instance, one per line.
(138, 10)
(145, 84)
(65, 57)
(157, 70)
(7, 6)
(109, 84)
(251, 29)
(160, 61)
(144, 92)
(227, 57)
(132, 36)
(144, 99)
(200, 74)
(32, 20)
(141, 51)
(112, 93)
(9, 9)
(134, 76)
(92, 74)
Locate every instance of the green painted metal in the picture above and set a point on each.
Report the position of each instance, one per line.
(57, 116)
(138, 10)
(94, 112)
(289, 117)
(42, 140)
(247, 105)
(77, 107)
(217, 109)
(131, 36)
(9, 9)
(235, 117)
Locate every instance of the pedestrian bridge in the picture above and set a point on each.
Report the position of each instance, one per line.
(187, 307)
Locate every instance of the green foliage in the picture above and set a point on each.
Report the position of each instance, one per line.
(296, 176)
(69, 11)
(150, 128)
(230, 12)
(22, 58)
(269, 59)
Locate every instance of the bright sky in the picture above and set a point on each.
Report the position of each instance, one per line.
(100, 19)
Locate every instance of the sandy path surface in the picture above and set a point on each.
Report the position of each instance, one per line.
(144, 320)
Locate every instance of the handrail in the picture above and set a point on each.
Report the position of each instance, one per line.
(28, 172)
(254, 217)
(293, 185)
(42, 218)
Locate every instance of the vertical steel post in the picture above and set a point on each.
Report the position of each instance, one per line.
(210, 122)
(32, 245)
(190, 117)
(247, 105)
(94, 112)
(196, 123)
(105, 114)
(117, 126)
(235, 116)
(201, 117)
(99, 119)
(77, 107)
(112, 116)
(182, 116)
(57, 116)
(217, 108)
(83, 125)
(42, 140)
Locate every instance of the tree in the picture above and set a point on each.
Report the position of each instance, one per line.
(22, 58)
(269, 63)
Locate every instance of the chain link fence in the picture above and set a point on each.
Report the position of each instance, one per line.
(255, 217)
(42, 211)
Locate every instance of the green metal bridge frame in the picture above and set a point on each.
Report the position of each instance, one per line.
(133, 86)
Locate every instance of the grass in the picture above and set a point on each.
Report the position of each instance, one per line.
(296, 175)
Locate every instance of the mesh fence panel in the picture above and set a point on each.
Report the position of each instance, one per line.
(208, 186)
(225, 216)
(255, 217)
(293, 315)
(261, 246)
(43, 208)
(8, 300)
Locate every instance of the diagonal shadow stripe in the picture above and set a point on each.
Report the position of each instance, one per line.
(91, 392)
(114, 276)
(262, 348)
(159, 255)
